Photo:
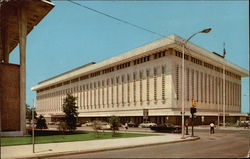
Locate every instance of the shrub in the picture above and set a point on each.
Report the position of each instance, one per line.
(62, 126)
(96, 127)
(41, 123)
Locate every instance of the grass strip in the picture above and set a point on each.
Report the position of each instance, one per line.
(10, 141)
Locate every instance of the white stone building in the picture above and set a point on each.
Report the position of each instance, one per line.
(147, 79)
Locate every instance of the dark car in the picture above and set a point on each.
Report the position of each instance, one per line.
(171, 128)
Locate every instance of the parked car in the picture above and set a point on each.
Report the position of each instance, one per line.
(78, 124)
(89, 123)
(99, 125)
(51, 123)
(147, 125)
(167, 127)
(132, 124)
(105, 126)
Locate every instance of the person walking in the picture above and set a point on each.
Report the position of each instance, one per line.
(126, 126)
(186, 126)
(211, 128)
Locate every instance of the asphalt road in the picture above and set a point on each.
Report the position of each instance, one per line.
(222, 144)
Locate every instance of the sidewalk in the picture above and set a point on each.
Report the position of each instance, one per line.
(220, 127)
(56, 149)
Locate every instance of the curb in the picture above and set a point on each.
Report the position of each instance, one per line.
(56, 154)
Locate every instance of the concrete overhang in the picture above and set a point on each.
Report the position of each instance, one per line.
(172, 41)
(36, 10)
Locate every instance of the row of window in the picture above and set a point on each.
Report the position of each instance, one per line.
(122, 66)
(141, 60)
(207, 65)
(111, 69)
(102, 93)
(108, 70)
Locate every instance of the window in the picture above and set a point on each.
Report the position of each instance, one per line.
(202, 86)
(187, 72)
(177, 82)
(140, 86)
(205, 84)
(134, 76)
(90, 91)
(99, 94)
(147, 72)
(103, 98)
(159, 54)
(112, 92)
(163, 82)
(197, 86)
(95, 94)
(128, 84)
(209, 89)
(122, 66)
(123, 90)
(117, 91)
(141, 60)
(155, 84)
(107, 81)
(192, 81)
(87, 91)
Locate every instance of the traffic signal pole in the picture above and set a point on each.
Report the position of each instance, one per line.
(192, 111)
(192, 125)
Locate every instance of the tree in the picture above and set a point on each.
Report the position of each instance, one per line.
(70, 110)
(41, 123)
(29, 113)
(114, 122)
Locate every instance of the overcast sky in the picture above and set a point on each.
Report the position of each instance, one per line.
(71, 36)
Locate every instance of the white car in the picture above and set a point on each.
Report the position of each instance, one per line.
(89, 124)
(147, 125)
(98, 125)
(105, 126)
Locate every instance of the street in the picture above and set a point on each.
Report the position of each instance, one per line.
(222, 144)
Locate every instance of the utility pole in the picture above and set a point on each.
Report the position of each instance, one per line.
(224, 87)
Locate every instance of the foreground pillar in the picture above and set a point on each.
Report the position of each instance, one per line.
(22, 28)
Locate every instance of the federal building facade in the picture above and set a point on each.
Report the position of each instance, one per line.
(145, 84)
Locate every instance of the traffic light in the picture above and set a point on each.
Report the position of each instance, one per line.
(193, 110)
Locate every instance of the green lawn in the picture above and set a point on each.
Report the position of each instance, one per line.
(8, 141)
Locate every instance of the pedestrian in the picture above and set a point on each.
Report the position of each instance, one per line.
(211, 128)
(186, 126)
(126, 126)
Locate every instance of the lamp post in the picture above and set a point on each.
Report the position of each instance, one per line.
(33, 127)
(183, 71)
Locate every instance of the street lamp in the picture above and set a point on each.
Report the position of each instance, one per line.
(183, 71)
(33, 127)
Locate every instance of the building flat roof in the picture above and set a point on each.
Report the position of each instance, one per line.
(172, 41)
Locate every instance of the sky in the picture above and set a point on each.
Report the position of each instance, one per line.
(71, 36)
